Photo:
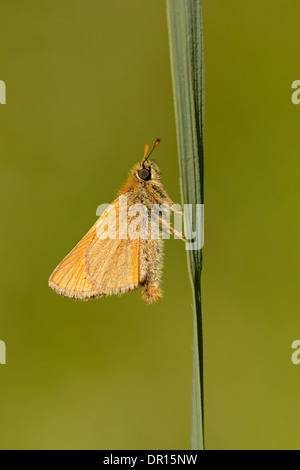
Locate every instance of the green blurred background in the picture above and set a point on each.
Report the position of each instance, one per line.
(88, 85)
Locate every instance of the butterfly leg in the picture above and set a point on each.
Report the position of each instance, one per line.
(171, 230)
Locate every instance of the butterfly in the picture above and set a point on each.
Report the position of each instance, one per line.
(100, 265)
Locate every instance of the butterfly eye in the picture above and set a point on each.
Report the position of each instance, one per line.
(144, 174)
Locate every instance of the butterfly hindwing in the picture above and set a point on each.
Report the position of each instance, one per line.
(99, 266)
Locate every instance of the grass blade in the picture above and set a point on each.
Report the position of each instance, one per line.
(187, 66)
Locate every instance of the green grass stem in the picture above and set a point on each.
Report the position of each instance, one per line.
(187, 67)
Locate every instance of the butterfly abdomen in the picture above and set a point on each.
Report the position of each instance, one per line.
(151, 269)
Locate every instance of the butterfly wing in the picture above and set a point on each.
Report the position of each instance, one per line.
(99, 266)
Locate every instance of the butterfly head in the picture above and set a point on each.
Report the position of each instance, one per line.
(148, 170)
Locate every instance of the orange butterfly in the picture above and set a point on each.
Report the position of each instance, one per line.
(99, 266)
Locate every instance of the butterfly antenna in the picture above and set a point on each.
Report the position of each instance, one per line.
(146, 156)
(146, 151)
